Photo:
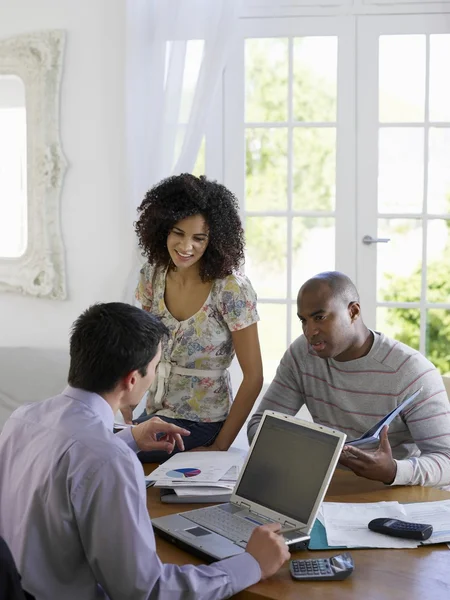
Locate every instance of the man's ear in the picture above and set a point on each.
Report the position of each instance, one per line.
(354, 310)
(129, 380)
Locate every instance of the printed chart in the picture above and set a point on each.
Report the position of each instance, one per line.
(183, 473)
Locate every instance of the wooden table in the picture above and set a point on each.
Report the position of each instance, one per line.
(410, 574)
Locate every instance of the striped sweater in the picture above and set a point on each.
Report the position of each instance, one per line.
(352, 396)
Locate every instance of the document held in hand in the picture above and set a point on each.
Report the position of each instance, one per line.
(372, 435)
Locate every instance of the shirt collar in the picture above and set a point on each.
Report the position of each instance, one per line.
(94, 402)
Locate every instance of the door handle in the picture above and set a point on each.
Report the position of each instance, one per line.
(368, 239)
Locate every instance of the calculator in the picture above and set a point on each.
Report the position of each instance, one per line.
(336, 568)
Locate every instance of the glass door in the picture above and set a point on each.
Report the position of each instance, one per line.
(289, 155)
(403, 180)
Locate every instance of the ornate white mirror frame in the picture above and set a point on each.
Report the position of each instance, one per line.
(37, 59)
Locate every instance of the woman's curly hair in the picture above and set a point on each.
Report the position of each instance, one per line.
(185, 195)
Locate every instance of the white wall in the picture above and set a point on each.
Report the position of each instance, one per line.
(97, 228)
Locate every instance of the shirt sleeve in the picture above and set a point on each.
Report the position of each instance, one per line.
(238, 302)
(285, 394)
(144, 289)
(117, 535)
(126, 436)
(428, 420)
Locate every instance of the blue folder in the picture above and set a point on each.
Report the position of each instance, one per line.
(318, 539)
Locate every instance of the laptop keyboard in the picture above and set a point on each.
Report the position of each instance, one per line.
(216, 519)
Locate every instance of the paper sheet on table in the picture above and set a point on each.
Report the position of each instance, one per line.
(433, 513)
(204, 491)
(227, 482)
(189, 468)
(346, 524)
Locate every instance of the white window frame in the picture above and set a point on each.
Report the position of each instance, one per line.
(368, 31)
(234, 135)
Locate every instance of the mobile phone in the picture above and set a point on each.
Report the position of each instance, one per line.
(335, 568)
(401, 529)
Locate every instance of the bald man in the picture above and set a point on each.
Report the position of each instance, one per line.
(349, 377)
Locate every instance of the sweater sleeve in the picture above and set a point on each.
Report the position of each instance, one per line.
(285, 394)
(428, 420)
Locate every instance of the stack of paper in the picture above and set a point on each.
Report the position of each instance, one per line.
(199, 473)
(346, 523)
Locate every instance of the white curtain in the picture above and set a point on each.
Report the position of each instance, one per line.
(176, 54)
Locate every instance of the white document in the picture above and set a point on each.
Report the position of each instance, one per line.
(233, 472)
(204, 491)
(346, 524)
(190, 468)
(372, 435)
(436, 514)
(226, 483)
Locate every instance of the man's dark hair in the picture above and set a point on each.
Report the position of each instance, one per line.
(182, 196)
(108, 341)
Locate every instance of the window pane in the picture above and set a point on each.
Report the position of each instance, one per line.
(266, 169)
(266, 79)
(309, 235)
(314, 169)
(402, 78)
(315, 79)
(402, 324)
(439, 87)
(272, 337)
(266, 255)
(439, 171)
(400, 178)
(13, 167)
(399, 262)
(438, 335)
(438, 261)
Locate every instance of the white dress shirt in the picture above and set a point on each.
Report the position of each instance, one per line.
(73, 511)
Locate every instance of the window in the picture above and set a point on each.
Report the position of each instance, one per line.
(290, 183)
(336, 129)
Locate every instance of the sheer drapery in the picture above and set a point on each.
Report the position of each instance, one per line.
(176, 54)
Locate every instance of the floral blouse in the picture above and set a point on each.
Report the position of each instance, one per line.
(202, 343)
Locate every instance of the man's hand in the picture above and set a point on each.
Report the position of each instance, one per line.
(268, 548)
(373, 464)
(156, 434)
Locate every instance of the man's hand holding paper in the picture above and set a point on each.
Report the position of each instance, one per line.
(375, 464)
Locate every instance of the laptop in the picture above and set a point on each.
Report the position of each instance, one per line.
(284, 479)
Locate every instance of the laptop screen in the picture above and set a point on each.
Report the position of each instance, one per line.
(287, 467)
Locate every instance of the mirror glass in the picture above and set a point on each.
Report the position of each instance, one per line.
(13, 167)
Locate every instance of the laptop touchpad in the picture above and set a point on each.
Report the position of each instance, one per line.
(198, 531)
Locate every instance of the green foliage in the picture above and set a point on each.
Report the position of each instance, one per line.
(404, 325)
(313, 184)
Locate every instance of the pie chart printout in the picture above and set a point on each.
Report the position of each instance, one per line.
(183, 473)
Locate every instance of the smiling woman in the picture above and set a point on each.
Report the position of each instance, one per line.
(190, 232)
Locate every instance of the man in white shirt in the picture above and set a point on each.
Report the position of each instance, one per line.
(72, 494)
